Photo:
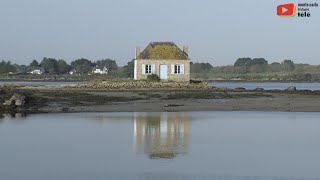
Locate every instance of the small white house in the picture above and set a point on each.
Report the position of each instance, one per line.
(37, 71)
(72, 72)
(98, 70)
(164, 59)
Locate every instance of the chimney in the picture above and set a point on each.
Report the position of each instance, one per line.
(137, 52)
(186, 50)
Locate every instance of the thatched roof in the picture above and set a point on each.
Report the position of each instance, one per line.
(163, 51)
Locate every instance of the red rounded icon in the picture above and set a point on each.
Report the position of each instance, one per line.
(285, 10)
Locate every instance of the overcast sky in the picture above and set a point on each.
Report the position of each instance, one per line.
(218, 32)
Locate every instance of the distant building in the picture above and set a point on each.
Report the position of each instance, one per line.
(36, 70)
(73, 71)
(164, 59)
(97, 70)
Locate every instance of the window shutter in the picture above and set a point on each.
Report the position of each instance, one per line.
(153, 69)
(172, 68)
(143, 69)
(182, 68)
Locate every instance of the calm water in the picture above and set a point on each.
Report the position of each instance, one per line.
(37, 83)
(267, 85)
(196, 145)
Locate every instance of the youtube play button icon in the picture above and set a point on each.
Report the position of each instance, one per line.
(285, 10)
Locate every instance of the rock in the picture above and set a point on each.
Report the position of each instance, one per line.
(16, 99)
(291, 88)
(258, 89)
(8, 103)
(65, 109)
(143, 85)
(173, 105)
(240, 88)
(195, 81)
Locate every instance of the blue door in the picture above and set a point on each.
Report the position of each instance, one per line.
(163, 71)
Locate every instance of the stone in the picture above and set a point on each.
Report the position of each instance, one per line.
(16, 99)
(143, 85)
(240, 88)
(65, 109)
(291, 88)
(258, 89)
(8, 103)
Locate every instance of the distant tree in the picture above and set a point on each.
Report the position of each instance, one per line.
(252, 65)
(239, 70)
(275, 67)
(259, 61)
(34, 63)
(128, 70)
(207, 66)
(288, 62)
(50, 65)
(6, 67)
(256, 68)
(63, 66)
(82, 66)
(22, 69)
(200, 67)
(195, 68)
(287, 65)
(243, 62)
(110, 64)
(259, 65)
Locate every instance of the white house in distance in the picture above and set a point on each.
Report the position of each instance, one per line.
(73, 71)
(36, 70)
(164, 59)
(97, 70)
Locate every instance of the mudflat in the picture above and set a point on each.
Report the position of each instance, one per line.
(49, 99)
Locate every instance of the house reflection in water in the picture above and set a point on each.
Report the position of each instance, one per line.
(163, 135)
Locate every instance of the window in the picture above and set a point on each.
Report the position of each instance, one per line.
(177, 69)
(148, 69)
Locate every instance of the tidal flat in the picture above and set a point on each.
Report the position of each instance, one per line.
(51, 99)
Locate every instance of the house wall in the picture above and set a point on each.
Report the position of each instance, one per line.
(174, 77)
(135, 75)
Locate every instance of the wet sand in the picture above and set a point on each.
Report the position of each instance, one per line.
(52, 99)
(284, 103)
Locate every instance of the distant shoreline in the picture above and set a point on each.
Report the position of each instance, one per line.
(38, 80)
(263, 81)
(202, 80)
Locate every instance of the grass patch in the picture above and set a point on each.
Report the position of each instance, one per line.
(153, 78)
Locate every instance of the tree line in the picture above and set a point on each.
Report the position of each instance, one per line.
(84, 66)
(59, 66)
(259, 65)
(259, 68)
(249, 65)
(6, 67)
